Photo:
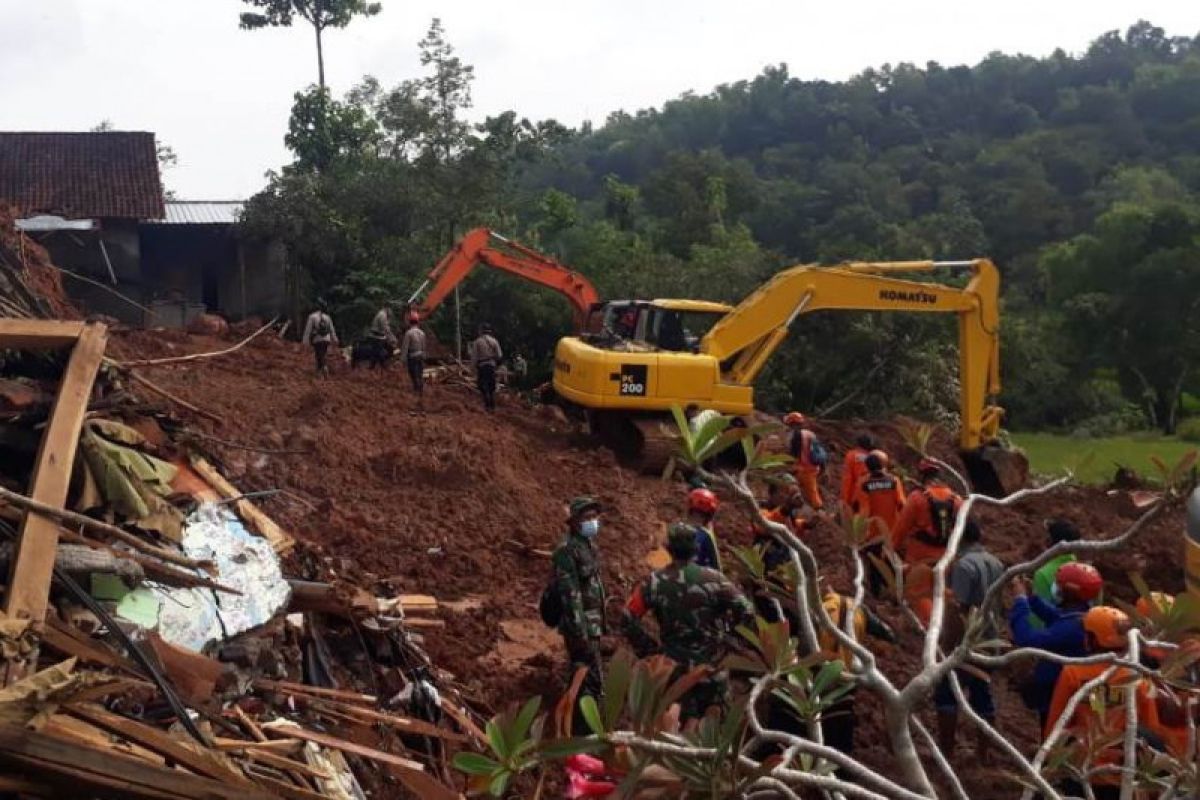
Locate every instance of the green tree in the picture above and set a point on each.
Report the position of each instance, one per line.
(320, 14)
(1131, 293)
(322, 130)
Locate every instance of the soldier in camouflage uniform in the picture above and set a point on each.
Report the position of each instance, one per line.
(695, 608)
(581, 592)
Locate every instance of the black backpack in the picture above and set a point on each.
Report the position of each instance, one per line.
(323, 327)
(941, 521)
(550, 604)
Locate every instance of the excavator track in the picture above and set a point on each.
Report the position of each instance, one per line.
(645, 442)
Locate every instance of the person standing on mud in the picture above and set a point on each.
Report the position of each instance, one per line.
(810, 458)
(412, 354)
(320, 334)
(854, 467)
(485, 356)
(878, 498)
(581, 593)
(971, 576)
(694, 607)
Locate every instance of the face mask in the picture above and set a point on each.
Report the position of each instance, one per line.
(589, 528)
(1056, 594)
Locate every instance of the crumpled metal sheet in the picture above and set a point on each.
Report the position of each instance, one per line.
(196, 618)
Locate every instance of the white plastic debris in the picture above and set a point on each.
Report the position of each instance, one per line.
(195, 618)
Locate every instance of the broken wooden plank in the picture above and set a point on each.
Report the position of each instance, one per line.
(463, 719)
(60, 636)
(82, 771)
(418, 622)
(400, 723)
(50, 514)
(155, 740)
(275, 745)
(411, 773)
(32, 567)
(38, 334)
(255, 518)
(286, 764)
(315, 691)
(295, 732)
(287, 790)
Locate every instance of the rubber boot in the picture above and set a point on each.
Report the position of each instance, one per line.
(947, 732)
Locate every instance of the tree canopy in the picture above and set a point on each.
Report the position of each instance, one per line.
(1044, 164)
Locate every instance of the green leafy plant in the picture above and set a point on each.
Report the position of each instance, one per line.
(513, 738)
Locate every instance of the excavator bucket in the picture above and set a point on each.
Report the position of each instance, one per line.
(995, 470)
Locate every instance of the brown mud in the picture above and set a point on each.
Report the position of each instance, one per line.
(430, 501)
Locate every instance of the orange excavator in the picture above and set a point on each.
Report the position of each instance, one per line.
(482, 246)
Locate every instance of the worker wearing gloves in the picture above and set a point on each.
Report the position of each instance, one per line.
(879, 498)
(810, 458)
(702, 507)
(1077, 585)
(581, 592)
(923, 529)
(854, 467)
(1106, 630)
(320, 334)
(694, 608)
(486, 355)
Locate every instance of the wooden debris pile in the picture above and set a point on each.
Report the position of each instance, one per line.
(161, 636)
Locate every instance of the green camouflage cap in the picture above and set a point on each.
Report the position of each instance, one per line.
(580, 505)
(681, 535)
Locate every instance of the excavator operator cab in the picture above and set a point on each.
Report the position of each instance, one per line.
(652, 325)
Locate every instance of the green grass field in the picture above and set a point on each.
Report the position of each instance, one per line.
(1052, 453)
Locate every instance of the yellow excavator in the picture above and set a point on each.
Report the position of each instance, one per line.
(637, 359)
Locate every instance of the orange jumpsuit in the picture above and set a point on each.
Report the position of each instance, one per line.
(1111, 719)
(913, 537)
(807, 472)
(878, 497)
(854, 469)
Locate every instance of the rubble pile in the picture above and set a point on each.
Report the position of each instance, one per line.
(162, 635)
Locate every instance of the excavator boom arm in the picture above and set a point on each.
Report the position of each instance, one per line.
(745, 338)
(482, 246)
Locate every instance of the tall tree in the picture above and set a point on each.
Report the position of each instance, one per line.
(320, 14)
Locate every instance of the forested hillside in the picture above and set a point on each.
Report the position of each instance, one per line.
(1078, 173)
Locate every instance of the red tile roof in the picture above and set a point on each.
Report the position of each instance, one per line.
(78, 175)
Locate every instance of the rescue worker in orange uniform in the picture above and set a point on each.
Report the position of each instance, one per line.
(810, 458)
(879, 497)
(1106, 630)
(854, 467)
(928, 517)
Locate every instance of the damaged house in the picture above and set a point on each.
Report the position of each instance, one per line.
(95, 201)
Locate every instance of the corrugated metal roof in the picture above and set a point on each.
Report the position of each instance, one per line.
(203, 212)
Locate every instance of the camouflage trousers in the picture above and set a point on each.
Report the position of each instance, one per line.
(584, 653)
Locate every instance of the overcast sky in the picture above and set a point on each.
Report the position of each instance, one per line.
(220, 96)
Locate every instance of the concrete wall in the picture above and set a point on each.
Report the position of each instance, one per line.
(80, 252)
(263, 282)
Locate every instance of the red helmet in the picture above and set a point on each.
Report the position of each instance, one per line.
(794, 418)
(703, 500)
(414, 316)
(1081, 580)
